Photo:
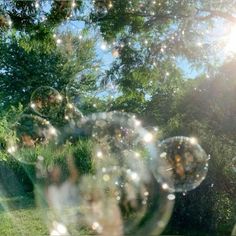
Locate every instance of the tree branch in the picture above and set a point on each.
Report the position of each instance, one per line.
(216, 13)
(211, 14)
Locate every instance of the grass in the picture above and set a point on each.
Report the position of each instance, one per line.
(19, 216)
(22, 222)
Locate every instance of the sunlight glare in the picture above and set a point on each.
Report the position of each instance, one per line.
(231, 41)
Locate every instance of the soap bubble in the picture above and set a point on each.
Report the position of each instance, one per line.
(72, 114)
(121, 152)
(187, 162)
(31, 133)
(103, 183)
(46, 101)
(233, 164)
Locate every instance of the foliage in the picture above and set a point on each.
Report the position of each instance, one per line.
(204, 110)
(32, 68)
(80, 150)
(150, 40)
(27, 15)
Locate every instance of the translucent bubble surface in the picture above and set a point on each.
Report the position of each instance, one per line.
(187, 162)
(32, 132)
(46, 101)
(103, 185)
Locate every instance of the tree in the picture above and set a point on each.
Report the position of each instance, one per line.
(155, 32)
(204, 110)
(149, 38)
(25, 69)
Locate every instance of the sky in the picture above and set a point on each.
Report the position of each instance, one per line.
(104, 51)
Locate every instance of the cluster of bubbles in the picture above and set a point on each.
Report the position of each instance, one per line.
(104, 166)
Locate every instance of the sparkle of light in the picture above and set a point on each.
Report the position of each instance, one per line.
(58, 41)
(165, 186)
(148, 137)
(70, 105)
(193, 140)
(11, 149)
(137, 123)
(52, 131)
(32, 105)
(171, 197)
(99, 154)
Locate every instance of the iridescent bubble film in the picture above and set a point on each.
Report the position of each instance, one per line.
(187, 162)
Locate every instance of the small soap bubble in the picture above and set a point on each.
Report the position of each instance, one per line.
(46, 101)
(187, 162)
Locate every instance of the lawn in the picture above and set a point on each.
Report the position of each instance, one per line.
(19, 216)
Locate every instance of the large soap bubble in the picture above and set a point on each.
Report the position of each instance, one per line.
(187, 162)
(103, 184)
(46, 101)
(32, 132)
